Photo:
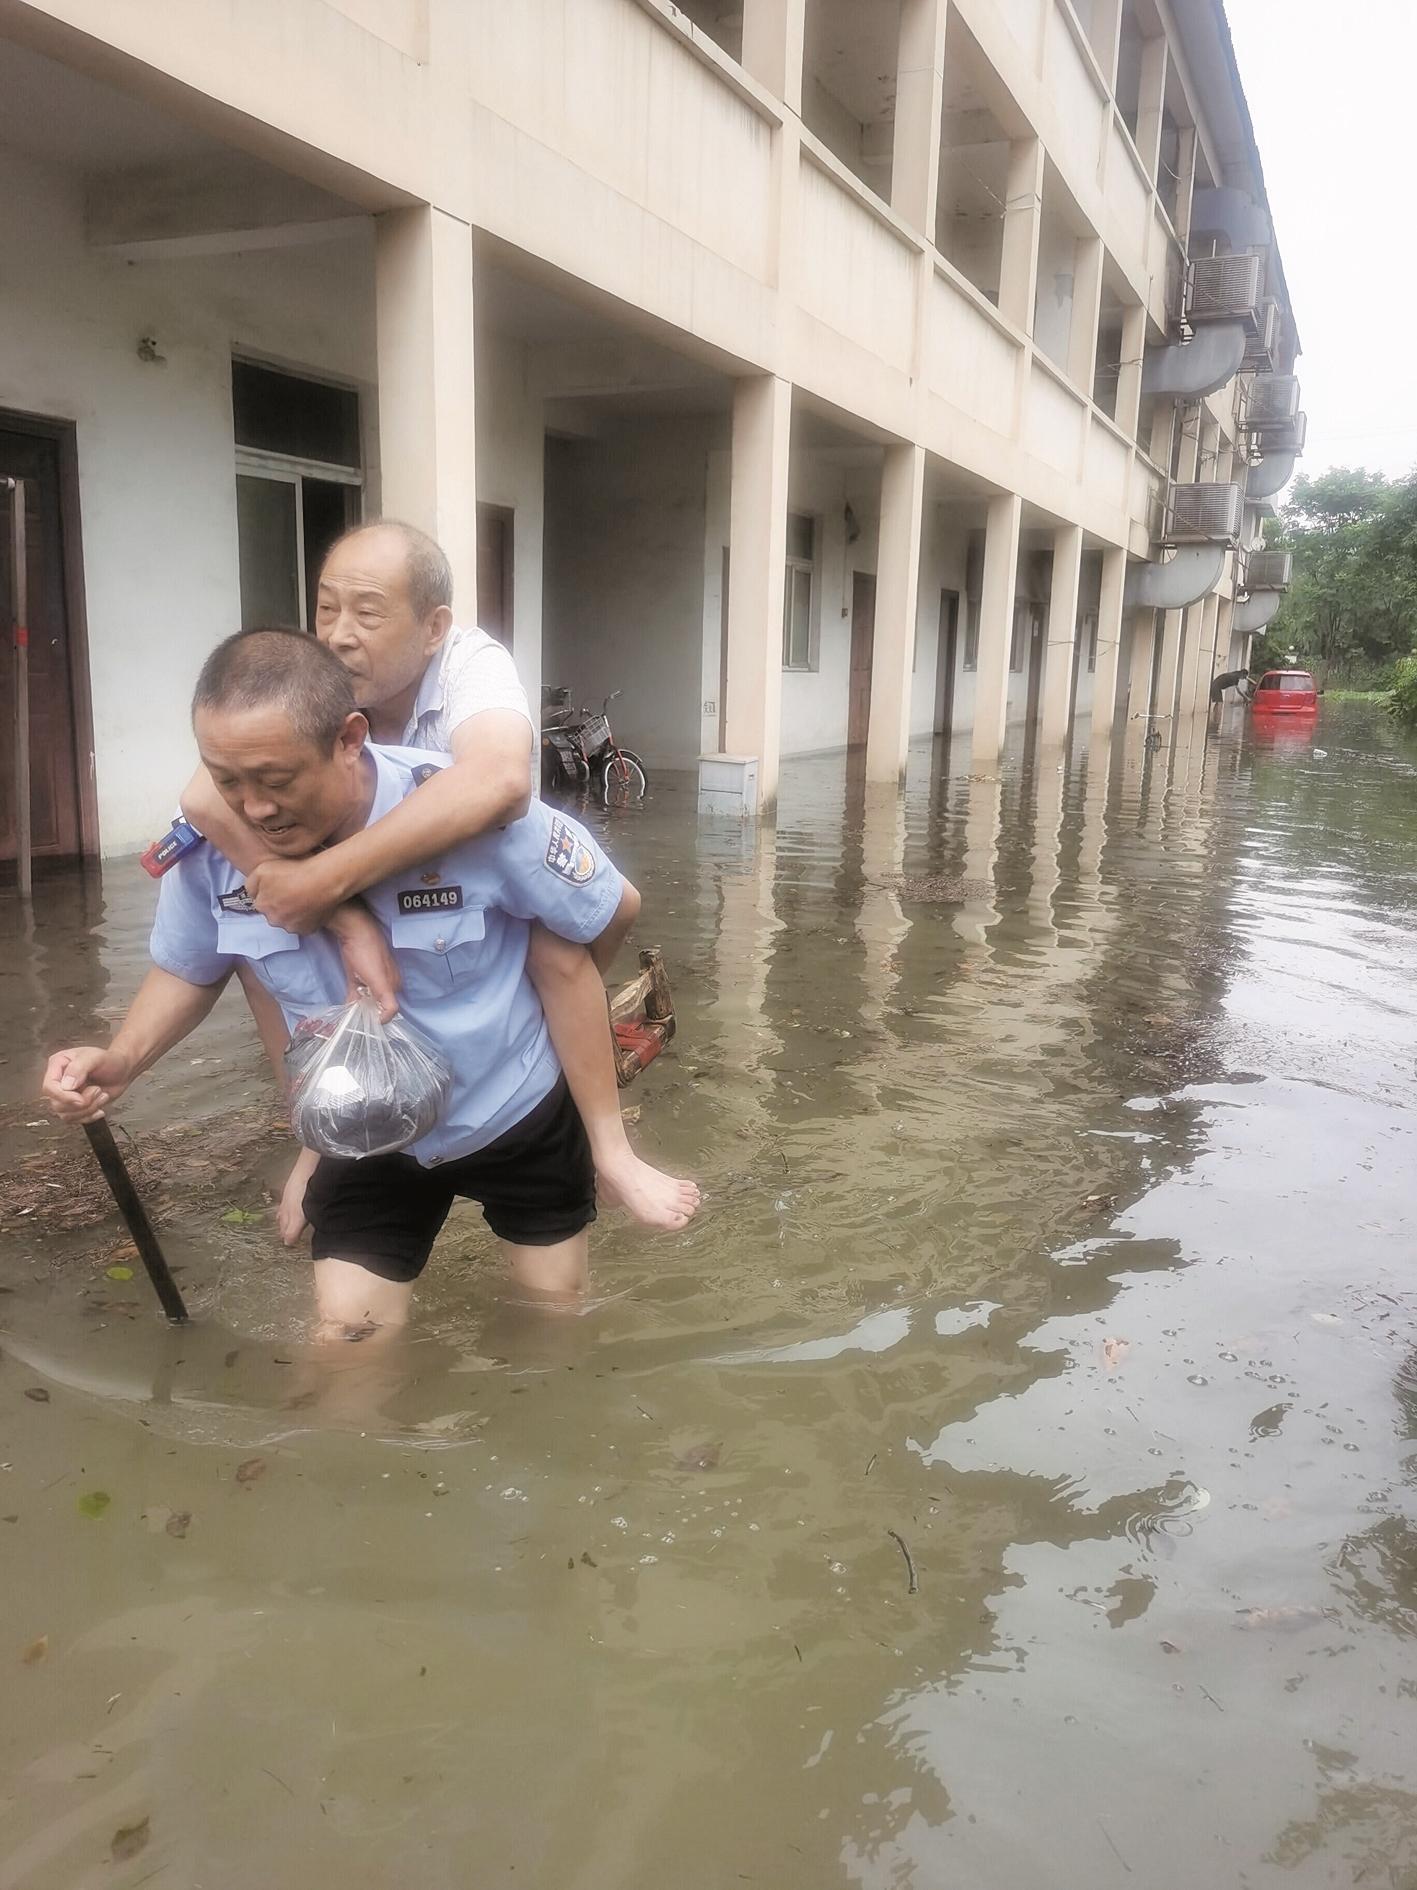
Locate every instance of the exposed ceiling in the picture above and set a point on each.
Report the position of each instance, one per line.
(57, 115)
(851, 50)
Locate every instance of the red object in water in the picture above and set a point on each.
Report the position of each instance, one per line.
(1285, 692)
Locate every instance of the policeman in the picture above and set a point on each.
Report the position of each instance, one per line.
(278, 731)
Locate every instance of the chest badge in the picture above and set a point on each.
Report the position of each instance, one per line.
(238, 901)
(567, 854)
(429, 899)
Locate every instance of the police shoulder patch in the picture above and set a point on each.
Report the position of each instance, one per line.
(567, 854)
(425, 772)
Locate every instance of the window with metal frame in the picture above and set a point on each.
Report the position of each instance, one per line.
(798, 616)
(299, 485)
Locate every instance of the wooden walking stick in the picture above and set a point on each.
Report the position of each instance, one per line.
(135, 1215)
(19, 611)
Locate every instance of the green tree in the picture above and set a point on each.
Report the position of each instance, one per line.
(1353, 535)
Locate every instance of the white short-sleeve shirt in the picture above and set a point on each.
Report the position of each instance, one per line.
(473, 672)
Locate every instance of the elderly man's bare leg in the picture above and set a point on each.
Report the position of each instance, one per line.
(354, 1303)
(552, 1276)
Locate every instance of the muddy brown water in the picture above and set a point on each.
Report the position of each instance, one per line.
(1057, 1263)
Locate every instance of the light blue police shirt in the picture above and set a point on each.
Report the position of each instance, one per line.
(460, 926)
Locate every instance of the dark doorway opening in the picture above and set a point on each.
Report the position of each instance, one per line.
(63, 813)
(947, 662)
(495, 599)
(863, 640)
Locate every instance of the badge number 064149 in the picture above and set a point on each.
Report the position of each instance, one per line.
(430, 899)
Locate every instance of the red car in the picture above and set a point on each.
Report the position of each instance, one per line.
(1285, 692)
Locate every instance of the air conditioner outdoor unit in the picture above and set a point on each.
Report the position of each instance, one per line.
(1288, 438)
(1271, 400)
(1204, 515)
(1269, 570)
(1223, 288)
(1265, 341)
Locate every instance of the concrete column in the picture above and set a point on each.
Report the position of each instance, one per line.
(1151, 103)
(996, 617)
(1109, 641)
(757, 534)
(1141, 647)
(1023, 219)
(427, 435)
(897, 601)
(919, 101)
(1130, 372)
(1168, 662)
(1191, 697)
(1059, 656)
(1186, 187)
(772, 47)
(1087, 313)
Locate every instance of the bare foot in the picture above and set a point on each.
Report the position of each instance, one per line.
(646, 1194)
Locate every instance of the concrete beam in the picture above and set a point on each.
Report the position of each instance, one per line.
(210, 206)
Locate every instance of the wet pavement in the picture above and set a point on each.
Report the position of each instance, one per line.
(1007, 1482)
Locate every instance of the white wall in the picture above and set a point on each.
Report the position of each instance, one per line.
(624, 596)
(157, 477)
(511, 447)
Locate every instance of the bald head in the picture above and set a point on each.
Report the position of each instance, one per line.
(428, 577)
(384, 609)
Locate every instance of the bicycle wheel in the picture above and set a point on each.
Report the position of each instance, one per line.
(623, 780)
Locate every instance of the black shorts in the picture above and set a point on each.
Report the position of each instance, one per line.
(536, 1184)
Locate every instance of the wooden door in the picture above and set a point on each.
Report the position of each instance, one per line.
(494, 572)
(56, 706)
(946, 662)
(863, 640)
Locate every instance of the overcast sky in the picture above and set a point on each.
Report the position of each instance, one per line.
(1331, 91)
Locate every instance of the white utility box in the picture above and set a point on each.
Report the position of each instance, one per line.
(728, 784)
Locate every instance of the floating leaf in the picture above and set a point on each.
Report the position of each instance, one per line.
(238, 1217)
(37, 1393)
(232, 1357)
(119, 1273)
(129, 1839)
(1169, 1647)
(94, 1502)
(179, 1522)
(252, 1468)
(36, 1651)
(588, 1559)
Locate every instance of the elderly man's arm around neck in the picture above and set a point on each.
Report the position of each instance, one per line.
(488, 785)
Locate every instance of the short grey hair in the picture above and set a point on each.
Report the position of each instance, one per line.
(427, 572)
(279, 669)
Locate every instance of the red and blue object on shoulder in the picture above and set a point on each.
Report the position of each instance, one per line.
(180, 839)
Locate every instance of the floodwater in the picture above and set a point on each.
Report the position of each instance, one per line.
(1007, 1482)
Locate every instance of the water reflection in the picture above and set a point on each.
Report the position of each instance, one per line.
(1056, 1141)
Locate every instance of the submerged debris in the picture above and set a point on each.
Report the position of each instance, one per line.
(196, 1165)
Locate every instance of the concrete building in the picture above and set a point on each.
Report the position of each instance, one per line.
(815, 372)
